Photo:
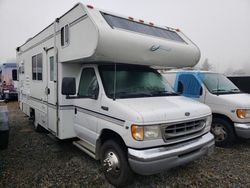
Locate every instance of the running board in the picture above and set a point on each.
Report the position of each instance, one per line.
(84, 147)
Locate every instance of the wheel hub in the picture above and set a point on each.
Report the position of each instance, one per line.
(219, 132)
(111, 163)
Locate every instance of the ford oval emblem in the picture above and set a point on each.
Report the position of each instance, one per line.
(187, 114)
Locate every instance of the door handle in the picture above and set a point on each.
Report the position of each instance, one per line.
(105, 108)
(47, 91)
(75, 110)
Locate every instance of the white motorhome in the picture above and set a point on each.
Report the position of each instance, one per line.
(230, 106)
(88, 76)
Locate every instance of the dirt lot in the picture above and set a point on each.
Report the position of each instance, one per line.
(39, 160)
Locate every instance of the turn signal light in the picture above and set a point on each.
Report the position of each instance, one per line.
(137, 132)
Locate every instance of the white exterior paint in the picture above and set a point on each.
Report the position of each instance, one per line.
(93, 42)
(221, 104)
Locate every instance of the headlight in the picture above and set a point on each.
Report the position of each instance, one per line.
(243, 113)
(146, 132)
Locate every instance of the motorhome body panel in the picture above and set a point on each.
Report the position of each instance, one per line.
(113, 42)
(74, 48)
(91, 38)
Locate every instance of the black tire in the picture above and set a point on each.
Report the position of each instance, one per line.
(118, 173)
(38, 128)
(223, 132)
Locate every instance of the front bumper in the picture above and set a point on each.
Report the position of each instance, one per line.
(242, 129)
(155, 160)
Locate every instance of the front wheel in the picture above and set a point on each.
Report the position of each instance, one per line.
(223, 132)
(115, 164)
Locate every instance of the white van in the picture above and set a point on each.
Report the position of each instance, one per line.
(230, 106)
(88, 76)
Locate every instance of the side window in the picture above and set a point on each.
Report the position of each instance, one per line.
(14, 74)
(33, 67)
(51, 64)
(65, 35)
(88, 86)
(62, 36)
(37, 67)
(189, 85)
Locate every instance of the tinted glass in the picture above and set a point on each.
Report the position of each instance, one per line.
(14, 74)
(33, 67)
(130, 25)
(66, 34)
(51, 62)
(88, 84)
(62, 36)
(133, 81)
(39, 67)
(218, 83)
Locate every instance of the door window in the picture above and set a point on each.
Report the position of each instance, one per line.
(88, 86)
(52, 69)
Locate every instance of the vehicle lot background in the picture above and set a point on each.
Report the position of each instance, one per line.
(39, 160)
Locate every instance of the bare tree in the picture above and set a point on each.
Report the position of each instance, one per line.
(206, 65)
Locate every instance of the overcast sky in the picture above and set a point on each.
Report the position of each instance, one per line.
(221, 28)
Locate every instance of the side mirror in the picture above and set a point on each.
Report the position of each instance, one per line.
(68, 86)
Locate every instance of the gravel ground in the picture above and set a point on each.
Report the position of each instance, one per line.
(39, 160)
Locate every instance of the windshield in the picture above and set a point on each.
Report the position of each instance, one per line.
(133, 81)
(219, 84)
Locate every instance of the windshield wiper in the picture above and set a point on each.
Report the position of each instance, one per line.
(127, 94)
(235, 90)
(163, 93)
(223, 91)
(219, 90)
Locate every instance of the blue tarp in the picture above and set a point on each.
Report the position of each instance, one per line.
(189, 82)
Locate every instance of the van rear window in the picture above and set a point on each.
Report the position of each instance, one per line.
(130, 25)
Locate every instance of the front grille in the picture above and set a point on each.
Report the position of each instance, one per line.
(184, 130)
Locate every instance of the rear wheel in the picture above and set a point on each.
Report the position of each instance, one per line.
(36, 126)
(223, 132)
(115, 164)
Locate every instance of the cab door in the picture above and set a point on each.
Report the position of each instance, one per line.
(87, 106)
(51, 91)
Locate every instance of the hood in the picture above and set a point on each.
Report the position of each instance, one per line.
(241, 100)
(166, 109)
